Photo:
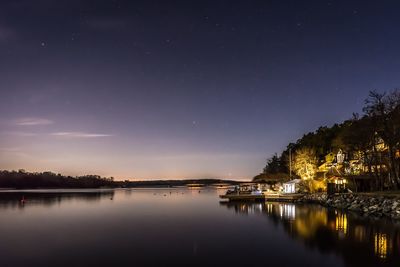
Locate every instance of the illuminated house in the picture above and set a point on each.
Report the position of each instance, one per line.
(340, 157)
(333, 160)
(292, 186)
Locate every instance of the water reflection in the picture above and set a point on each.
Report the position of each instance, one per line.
(341, 223)
(360, 241)
(24, 199)
(288, 211)
(383, 245)
(183, 227)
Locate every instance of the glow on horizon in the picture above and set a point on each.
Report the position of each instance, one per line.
(88, 152)
(76, 166)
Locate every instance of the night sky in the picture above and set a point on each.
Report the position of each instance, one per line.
(183, 89)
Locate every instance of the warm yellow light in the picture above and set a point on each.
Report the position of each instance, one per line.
(341, 223)
(381, 245)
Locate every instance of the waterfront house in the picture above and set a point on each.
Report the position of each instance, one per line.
(271, 182)
(292, 186)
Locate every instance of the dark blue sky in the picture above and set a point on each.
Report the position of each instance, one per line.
(182, 89)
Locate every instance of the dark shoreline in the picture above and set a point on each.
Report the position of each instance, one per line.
(135, 184)
(49, 180)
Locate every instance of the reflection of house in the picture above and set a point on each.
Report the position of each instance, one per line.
(287, 211)
(341, 223)
(359, 242)
(382, 245)
(292, 186)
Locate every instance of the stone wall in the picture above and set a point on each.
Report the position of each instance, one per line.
(368, 205)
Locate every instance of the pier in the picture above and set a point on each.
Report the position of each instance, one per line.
(262, 197)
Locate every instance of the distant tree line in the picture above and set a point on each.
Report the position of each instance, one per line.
(370, 143)
(27, 180)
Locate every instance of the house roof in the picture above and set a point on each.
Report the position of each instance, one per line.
(295, 181)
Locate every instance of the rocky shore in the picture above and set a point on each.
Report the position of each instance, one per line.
(367, 205)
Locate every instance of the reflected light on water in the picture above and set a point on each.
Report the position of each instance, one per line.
(181, 227)
(307, 224)
(382, 245)
(360, 233)
(360, 241)
(341, 223)
(250, 209)
(269, 208)
(288, 211)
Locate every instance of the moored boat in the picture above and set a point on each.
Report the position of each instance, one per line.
(247, 191)
(253, 192)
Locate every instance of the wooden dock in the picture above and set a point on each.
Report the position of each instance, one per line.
(243, 197)
(263, 197)
(282, 197)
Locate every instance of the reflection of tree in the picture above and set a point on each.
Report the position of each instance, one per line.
(13, 199)
(360, 241)
(309, 221)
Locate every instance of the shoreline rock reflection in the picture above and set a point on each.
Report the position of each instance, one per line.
(375, 242)
(22, 199)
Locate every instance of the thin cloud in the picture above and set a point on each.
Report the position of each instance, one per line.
(80, 135)
(32, 121)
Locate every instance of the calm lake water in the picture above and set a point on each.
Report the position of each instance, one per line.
(183, 227)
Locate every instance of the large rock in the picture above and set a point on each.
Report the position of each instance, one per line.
(369, 206)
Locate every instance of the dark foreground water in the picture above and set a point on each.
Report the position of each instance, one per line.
(182, 227)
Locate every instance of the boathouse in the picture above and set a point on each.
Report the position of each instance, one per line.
(292, 186)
